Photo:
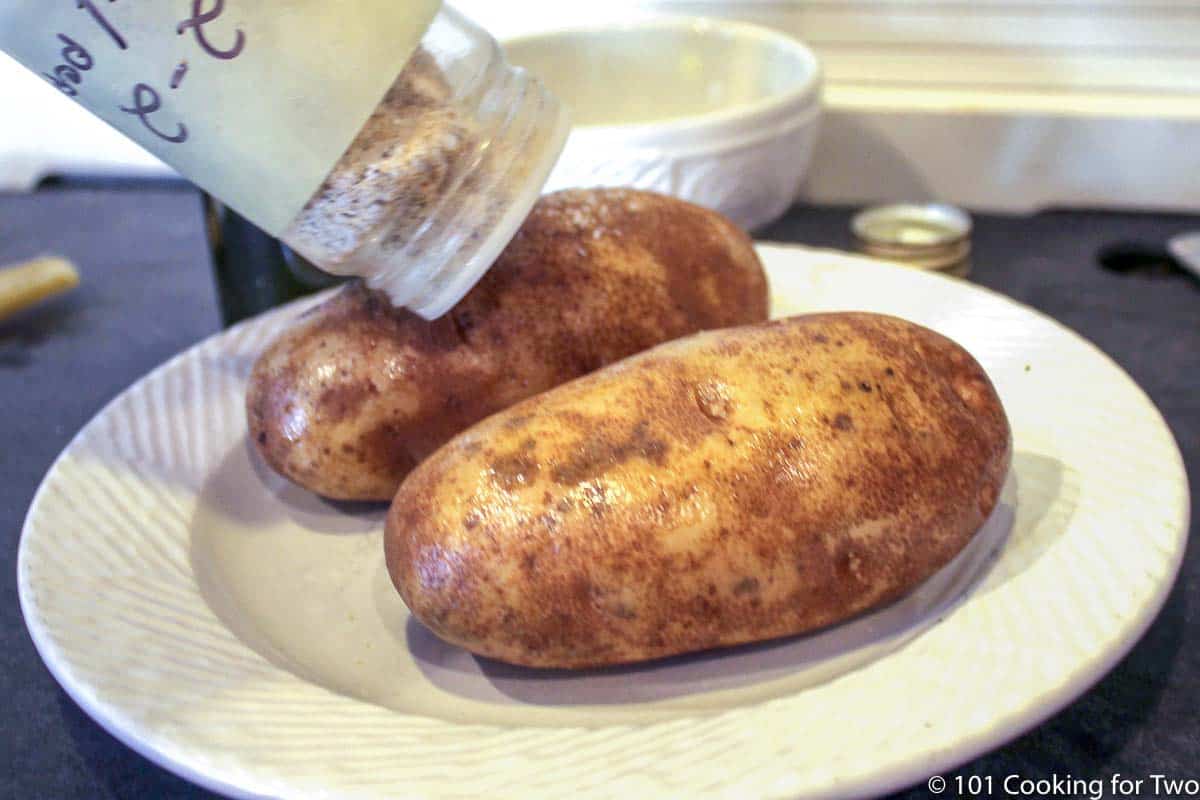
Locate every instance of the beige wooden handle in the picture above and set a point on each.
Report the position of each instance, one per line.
(23, 285)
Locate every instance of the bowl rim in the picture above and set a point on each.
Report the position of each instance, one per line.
(800, 98)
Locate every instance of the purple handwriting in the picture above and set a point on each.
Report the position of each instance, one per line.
(68, 76)
(179, 74)
(78, 60)
(199, 19)
(145, 102)
(102, 21)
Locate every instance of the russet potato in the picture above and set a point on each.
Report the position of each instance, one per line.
(358, 392)
(734, 486)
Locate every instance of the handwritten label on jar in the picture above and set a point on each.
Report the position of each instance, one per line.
(253, 100)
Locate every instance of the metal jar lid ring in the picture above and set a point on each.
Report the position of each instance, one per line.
(930, 236)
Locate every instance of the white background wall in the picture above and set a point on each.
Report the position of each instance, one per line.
(1002, 104)
(1137, 47)
(991, 103)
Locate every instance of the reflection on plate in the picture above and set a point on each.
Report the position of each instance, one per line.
(244, 633)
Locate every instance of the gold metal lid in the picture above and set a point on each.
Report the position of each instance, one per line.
(929, 236)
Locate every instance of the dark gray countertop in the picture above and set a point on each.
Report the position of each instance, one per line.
(148, 293)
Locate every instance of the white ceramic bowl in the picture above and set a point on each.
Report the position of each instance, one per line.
(724, 114)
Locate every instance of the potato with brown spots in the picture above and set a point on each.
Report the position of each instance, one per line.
(735, 486)
(358, 392)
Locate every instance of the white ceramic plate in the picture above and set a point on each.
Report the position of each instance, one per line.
(243, 634)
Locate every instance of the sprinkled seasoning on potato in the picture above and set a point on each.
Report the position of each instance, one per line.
(353, 397)
(735, 486)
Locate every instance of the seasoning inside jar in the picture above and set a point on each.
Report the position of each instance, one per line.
(931, 236)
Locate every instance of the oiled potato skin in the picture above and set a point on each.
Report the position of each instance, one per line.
(358, 393)
(735, 486)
